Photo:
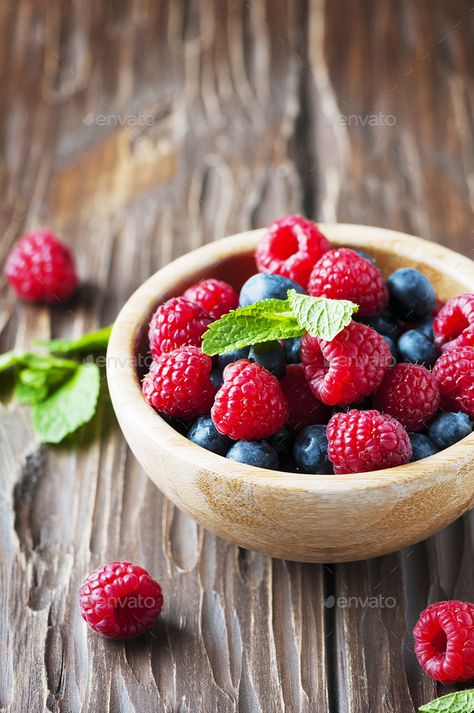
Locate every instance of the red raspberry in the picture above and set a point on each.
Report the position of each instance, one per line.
(41, 268)
(291, 247)
(250, 404)
(214, 296)
(342, 274)
(120, 600)
(444, 641)
(177, 323)
(454, 372)
(303, 406)
(410, 394)
(454, 323)
(348, 368)
(179, 383)
(360, 441)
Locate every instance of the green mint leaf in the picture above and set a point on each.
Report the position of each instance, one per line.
(47, 374)
(87, 344)
(319, 316)
(262, 322)
(458, 702)
(70, 406)
(9, 359)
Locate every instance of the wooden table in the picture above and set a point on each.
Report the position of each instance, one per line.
(138, 131)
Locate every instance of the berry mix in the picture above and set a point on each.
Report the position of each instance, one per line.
(395, 384)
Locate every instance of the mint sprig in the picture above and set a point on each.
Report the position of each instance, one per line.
(270, 320)
(458, 702)
(86, 344)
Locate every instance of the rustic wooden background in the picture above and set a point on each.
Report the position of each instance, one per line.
(138, 130)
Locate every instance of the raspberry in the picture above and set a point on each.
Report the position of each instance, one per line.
(291, 247)
(120, 600)
(177, 323)
(348, 368)
(304, 409)
(360, 441)
(250, 404)
(41, 268)
(410, 394)
(454, 372)
(444, 641)
(179, 383)
(454, 323)
(213, 296)
(342, 274)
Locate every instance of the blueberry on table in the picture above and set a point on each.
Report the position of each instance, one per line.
(203, 433)
(230, 357)
(426, 328)
(258, 453)
(422, 446)
(311, 451)
(282, 441)
(412, 297)
(383, 323)
(415, 348)
(449, 428)
(292, 350)
(271, 356)
(265, 287)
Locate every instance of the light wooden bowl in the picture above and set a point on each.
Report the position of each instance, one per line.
(308, 518)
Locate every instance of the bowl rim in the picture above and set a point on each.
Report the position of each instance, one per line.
(123, 381)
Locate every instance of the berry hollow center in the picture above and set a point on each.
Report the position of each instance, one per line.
(440, 642)
(284, 244)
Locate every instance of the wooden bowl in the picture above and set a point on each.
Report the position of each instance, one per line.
(307, 518)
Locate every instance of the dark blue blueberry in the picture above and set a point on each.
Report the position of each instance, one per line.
(257, 453)
(177, 423)
(271, 356)
(426, 328)
(204, 433)
(282, 441)
(366, 256)
(311, 450)
(292, 350)
(415, 348)
(422, 446)
(266, 287)
(412, 296)
(392, 346)
(224, 359)
(449, 428)
(383, 323)
(216, 377)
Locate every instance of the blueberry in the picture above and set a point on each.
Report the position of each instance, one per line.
(265, 287)
(205, 434)
(292, 350)
(271, 356)
(383, 323)
(258, 453)
(412, 296)
(415, 348)
(177, 423)
(422, 446)
(449, 428)
(392, 346)
(282, 441)
(366, 256)
(216, 377)
(426, 328)
(311, 450)
(224, 359)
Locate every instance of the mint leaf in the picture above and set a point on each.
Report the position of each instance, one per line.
(319, 316)
(70, 406)
(88, 343)
(35, 384)
(9, 359)
(262, 322)
(459, 702)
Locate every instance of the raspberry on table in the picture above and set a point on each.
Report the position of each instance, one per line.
(361, 441)
(41, 268)
(291, 247)
(342, 274)
(177, 323)
(444, 641)
(348, 368)
(454, 324)
(454, 372)
(214, 296)
(304, 409)
(179, 383)
(120, 600)
(250, 405)
(410, 394)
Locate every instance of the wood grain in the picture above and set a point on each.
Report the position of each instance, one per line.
(219, 116)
